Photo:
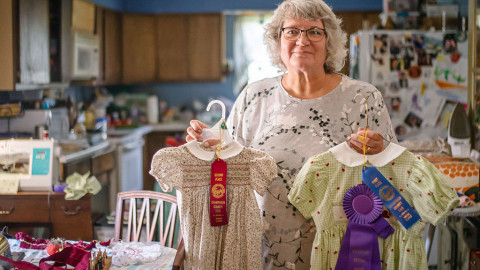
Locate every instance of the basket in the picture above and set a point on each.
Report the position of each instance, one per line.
(10, 110)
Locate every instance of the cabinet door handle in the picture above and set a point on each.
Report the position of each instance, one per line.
(7, 212)
(71, 213)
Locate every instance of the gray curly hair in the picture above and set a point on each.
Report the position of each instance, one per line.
(309, 10)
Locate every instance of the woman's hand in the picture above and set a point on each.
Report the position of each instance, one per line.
(374, 141)
(195, 133)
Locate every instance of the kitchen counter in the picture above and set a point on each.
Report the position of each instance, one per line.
(87, 152)
(126, 135)
(171, 127)
(118, 136)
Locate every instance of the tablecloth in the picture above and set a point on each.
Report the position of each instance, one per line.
(155, 255)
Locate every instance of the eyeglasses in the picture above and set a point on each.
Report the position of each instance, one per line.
(313, 34)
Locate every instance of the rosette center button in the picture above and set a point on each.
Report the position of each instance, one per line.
(362, 204)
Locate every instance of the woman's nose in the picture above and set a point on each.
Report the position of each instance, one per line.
(303, 39)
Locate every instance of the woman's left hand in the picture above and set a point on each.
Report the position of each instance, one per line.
(374, 141)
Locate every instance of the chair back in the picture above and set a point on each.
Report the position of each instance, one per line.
(147, 208)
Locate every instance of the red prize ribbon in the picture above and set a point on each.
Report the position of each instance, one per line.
(218, 193)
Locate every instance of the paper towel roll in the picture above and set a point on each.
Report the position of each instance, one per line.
(152, 109)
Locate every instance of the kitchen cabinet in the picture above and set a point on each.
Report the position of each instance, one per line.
(173, 47)
(138, 48)
(190, 47)
(101, 165)
(154, 141)
(206, 48)
(109, 23)
(83, 16)
(172, 38)
(7, 47)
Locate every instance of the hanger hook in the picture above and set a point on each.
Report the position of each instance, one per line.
(217, 102)
(366, 105)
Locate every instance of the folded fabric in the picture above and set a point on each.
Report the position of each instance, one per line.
(79, 185)
(127, 253)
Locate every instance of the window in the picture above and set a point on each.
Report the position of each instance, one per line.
(252, 62)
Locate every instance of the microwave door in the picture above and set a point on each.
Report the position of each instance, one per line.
(86, 56)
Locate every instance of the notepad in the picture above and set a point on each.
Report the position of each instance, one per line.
(9, 183)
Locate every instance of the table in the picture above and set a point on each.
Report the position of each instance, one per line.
(162, 261)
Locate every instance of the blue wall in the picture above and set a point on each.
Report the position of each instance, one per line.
(113, 4)
(187, 6)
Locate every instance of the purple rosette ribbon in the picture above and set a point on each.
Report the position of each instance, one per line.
(359, 248)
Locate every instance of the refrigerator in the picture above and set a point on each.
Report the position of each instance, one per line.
(421, 75)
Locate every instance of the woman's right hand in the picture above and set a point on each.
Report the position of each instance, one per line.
(194, 132)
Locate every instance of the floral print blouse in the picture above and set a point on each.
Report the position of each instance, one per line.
(291, 130)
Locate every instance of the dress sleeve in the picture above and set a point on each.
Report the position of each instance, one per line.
(433, 198)
(263, 172)
(166, 170)
(309, 187)
(235, 123)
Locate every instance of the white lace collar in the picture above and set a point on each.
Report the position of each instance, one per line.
(230, 150)
(349, 157)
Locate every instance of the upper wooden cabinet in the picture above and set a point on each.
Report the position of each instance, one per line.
(138, 48)
(172, 47)
(206, 48)
(185, 47)
(7, 39)
(109, 29)
(190, 47)
(83, 16)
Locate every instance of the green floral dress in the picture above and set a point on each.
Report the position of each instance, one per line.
(320, 186)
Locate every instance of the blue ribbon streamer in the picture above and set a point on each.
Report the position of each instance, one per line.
(390, 196)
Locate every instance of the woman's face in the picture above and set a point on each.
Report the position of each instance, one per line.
(303, 55)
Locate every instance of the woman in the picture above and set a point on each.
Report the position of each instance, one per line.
(304, 112)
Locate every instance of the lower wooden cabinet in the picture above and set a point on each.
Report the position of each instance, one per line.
(69, 219)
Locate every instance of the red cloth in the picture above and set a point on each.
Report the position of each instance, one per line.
(26, 241)
(68, 256)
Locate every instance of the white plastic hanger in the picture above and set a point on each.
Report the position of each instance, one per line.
(215, 132)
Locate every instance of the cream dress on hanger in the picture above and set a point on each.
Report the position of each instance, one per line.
(187, 168)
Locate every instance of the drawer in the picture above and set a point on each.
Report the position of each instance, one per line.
(72, 219)
(70, 209)
(81, 167)
(103, 163)
(24, 209)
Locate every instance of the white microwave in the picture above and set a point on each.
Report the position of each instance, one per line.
(85, 55)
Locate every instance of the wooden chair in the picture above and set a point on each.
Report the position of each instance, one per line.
(151, 219)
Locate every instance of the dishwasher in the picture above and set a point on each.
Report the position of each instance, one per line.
(130, 165)
(128, 174)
